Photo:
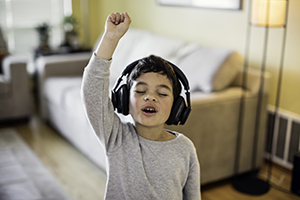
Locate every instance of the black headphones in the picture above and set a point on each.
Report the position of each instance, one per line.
(179, 112)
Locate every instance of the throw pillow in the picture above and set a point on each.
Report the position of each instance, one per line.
(211, 69)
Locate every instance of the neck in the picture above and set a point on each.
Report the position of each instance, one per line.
(153, 133)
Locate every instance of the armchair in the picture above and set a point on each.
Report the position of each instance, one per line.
(14, 89)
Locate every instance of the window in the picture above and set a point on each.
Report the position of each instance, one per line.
(18, 19)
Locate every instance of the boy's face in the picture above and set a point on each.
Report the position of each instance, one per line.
(151, 100)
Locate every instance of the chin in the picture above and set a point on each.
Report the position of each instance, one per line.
(152, 124)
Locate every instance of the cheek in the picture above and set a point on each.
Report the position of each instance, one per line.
(132, 102)
(168, 105)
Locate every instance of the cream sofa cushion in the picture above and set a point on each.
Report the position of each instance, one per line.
(211, 69)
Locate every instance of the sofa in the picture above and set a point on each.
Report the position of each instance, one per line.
(215, 76)
(15, 95)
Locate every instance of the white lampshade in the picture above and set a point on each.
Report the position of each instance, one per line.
(268, 12)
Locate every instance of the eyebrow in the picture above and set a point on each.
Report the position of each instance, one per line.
(161, 85)
(164, 86)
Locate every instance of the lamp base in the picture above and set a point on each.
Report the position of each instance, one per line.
(251, 185)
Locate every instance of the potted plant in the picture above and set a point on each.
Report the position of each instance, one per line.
(70, 24)
(43, 31)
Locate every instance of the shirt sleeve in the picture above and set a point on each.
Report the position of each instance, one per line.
(191, 190)
(98, 107)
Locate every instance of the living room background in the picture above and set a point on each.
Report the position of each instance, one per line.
(221, 28)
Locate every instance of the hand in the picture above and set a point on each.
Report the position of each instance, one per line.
(117, 25)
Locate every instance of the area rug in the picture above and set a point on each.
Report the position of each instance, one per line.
(22, 174)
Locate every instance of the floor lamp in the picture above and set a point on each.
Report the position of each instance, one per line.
(264, 13)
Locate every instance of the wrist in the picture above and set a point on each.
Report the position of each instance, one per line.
(107, 46)
(111, 37)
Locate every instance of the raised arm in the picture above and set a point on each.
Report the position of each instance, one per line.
(115, 27)
(95, 84)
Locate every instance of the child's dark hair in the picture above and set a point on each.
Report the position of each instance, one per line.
(158, 65)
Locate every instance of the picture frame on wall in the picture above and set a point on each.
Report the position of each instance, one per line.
(211, 4)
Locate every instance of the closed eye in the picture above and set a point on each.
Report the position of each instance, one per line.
(161, 94)
(140, 92)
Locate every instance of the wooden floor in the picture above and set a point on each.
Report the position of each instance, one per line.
(82, 180)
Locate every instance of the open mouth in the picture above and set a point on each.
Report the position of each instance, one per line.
(149, 110)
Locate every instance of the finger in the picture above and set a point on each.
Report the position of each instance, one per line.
(127, 19)
(112, 18)
(122, 17)
(118, 17)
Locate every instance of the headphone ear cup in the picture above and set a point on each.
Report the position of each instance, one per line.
(185, 115)
(176, 111)
(114, 99)
(122, 100)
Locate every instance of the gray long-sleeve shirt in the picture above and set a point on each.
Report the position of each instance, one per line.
(137, 168)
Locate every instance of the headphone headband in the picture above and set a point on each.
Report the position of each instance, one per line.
(180, 75)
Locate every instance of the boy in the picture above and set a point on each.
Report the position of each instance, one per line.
(144, 160)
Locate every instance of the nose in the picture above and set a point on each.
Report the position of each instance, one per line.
(150, 98)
